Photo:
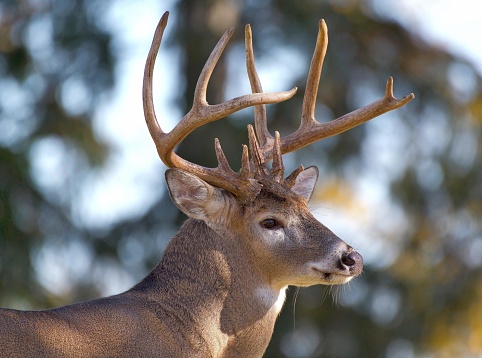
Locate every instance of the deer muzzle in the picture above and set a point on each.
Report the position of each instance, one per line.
(352, 261)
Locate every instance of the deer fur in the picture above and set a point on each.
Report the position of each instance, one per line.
(216, 292)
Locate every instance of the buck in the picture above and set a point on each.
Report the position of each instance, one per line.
(222, 279)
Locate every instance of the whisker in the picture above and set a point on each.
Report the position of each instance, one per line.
(326, 292)
(295, 297)
(334, 295)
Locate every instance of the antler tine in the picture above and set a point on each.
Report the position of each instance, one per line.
(260, 118)
(313, 81)
(147, 101)
(245, 172)
(257, 157)
(221, 157)
(310, 130)
(277, 169)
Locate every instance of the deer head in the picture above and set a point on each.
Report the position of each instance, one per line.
(277, 204)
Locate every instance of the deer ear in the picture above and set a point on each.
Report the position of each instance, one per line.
(193, 196)
(305, 182)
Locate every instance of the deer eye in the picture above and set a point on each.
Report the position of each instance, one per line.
(270, 224)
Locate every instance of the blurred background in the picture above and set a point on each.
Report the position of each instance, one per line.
(84, 210)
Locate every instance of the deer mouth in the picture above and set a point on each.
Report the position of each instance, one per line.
(333, 278)
(349, 265)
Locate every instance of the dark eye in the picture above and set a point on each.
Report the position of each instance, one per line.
(270, 224)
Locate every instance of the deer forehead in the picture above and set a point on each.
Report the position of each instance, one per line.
(289, 208)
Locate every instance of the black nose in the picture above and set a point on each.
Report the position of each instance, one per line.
(351, 258)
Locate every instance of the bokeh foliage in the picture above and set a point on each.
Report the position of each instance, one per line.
(47, 48)
(421, 292)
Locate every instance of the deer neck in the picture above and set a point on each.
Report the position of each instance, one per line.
(215, 283)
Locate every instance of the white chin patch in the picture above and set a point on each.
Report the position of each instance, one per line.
(327, 274)
(335, 279)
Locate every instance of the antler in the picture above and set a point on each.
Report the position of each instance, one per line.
(241, 184)
(310, 130)
(248, 182)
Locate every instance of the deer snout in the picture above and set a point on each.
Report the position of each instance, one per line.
(352, 260)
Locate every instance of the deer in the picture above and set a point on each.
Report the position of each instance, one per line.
(222, 280)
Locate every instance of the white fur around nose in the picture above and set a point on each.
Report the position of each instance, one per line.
(321, 266)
